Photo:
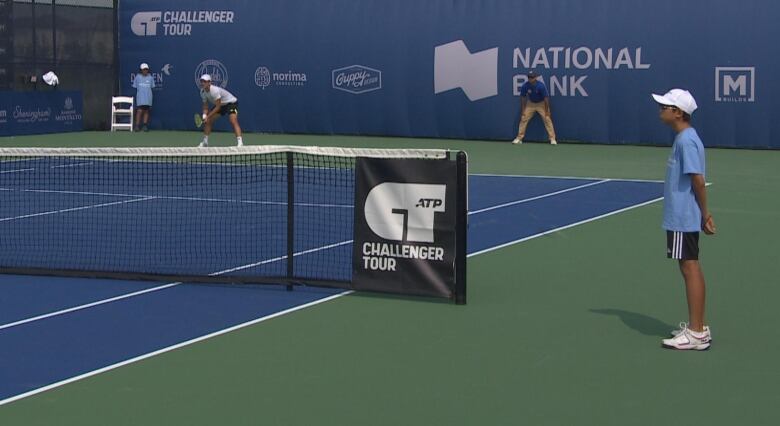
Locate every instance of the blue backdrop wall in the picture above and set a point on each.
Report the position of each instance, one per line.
(452, 69)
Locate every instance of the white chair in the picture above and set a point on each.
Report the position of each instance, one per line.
(119, 108)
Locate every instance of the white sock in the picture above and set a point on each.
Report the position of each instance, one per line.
(239, 139)
(205, 139)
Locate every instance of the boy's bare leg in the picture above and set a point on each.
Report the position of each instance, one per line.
(695, 292)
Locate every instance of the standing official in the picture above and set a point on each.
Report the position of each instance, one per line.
(534, 98)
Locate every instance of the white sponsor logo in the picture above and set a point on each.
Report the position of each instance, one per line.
(356, 79)
(454, 67)
(177, 22)
(264, 78)
(735, 84)
(572, 58)
(68, 113)
(32, 115)
(3, 113)
(404, 211)
(214, 68)
(145, 23)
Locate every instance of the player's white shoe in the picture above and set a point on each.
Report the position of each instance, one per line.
(684, 325)
(517, 141)
(203, 144)
(240, 143)
(688, 340)
(553, 142)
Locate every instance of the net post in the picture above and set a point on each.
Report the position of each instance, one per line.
(290, 218)
(461, 225)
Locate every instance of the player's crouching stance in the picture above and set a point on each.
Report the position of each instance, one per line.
(685, 214)
(224, 104)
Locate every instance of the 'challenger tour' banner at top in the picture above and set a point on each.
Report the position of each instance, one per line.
(448, 68)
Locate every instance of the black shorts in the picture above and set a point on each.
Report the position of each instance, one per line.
(682, 245)
(227, 109)
(144, 107)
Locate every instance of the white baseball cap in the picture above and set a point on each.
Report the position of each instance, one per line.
(679, 98)
(205, 77)
(144, 66)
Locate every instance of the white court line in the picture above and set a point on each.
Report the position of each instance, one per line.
(17, 170)
(73, 209)
(85, 306)
(571, 225)
(277, 314)
(171, 197)
(70, 165)
(566, 177)
(539, 197)
(171, 348)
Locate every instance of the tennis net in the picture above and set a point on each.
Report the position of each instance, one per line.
(261, 214)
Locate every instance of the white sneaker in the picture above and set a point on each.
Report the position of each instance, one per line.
(686, 341)
(553, 142)
(203, 144)
(684, 325)
(240, 143)
(517, 141)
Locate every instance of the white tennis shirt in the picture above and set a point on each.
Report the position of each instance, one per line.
(216, 92)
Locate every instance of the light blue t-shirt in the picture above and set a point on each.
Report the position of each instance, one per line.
(681, 211)
(144, 84)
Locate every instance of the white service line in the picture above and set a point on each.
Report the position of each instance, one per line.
(70, 165)
(17, 170)
(566, 177)
(85, 306)
(539, 197)
(179, 198)
(171, 348)
(571, 225)
(72, 209)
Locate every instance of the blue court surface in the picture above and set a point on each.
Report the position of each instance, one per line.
(57, 330)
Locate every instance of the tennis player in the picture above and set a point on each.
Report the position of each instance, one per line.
(685, 214)
(143, 83)
(534, 98)
(224, 104)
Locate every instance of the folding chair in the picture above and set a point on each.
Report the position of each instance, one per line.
(118, 109)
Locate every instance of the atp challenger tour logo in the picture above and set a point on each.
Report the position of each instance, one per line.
(176, 22)
(403, 212)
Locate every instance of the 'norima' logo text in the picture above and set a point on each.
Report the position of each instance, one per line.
(404, 211)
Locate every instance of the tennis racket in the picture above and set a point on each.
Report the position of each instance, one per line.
(198, 120)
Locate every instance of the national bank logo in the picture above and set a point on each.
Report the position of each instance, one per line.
(404, 211)
(735, 84)
(217, 70)
(356, 79)
(455, 67)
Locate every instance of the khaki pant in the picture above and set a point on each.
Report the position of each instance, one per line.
(532, 108)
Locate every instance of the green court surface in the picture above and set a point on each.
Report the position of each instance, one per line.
(563, 329)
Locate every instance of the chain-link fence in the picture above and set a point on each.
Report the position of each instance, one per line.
(74, 38)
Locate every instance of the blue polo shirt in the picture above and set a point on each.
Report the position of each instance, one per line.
(536, 92)
(681, 211)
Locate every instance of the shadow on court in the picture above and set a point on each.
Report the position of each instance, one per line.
(642, 323)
